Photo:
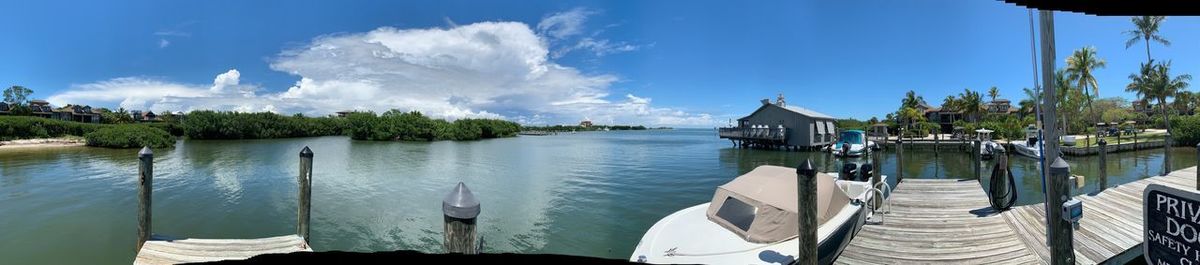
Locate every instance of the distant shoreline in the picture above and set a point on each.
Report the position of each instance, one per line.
(42, 143)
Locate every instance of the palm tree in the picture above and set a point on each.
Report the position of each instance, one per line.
(1064, 88)
(1184, 102)
(970, 103)
(949, 105)
(911, 100)
(1029, 104)
(1146, 30)
(993, 93)
(1080, 65)
(1155, 83)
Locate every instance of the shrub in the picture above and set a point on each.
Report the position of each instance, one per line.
(25, 127)
(413, 126)
(1185, 130)
(129, 136)
(262, 125)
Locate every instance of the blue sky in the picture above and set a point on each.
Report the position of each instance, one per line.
(670, 63)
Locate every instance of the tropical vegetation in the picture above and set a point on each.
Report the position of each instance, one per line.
(129, 136)
(396, 125)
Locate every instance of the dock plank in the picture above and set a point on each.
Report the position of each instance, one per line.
(950, 221)
(166, 250)
(938, 221)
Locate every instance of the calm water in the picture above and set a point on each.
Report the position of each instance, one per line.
(590, 194)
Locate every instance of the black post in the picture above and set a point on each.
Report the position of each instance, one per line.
(977, 153)
(876, 177)
(1103, 145)
(806, 201)
(1167, 154)
(145, 187)
(1198, 166)
(900, 157)
(459, 212)
(304, 208)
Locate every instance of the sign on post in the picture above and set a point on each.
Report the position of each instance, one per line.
(1171, 226)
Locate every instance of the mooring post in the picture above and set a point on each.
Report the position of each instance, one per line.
(1061, 237)
(1103, 145)
(806, 201)
(145, 187)
(977, 153)
(459, 212)
(1198, 166)
(1166, 154)
(305, 205)
(876, 176)
(900, 157)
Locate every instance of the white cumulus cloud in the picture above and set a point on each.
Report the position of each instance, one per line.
(485, 69)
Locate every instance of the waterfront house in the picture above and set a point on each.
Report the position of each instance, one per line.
(344, 113)
(585, 123)
(780, 125)
(4, 109)
(136, 115)
(76, 113)
(149, 116)
(1142, 106)
(1000, 106)
(40, 108)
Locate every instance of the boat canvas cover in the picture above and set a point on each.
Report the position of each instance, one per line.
(771, 190)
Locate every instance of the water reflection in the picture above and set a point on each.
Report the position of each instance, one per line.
(590, 194)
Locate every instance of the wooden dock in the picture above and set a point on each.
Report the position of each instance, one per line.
(938, 221)
(950, 221)
(162, 250)
(1111, 228)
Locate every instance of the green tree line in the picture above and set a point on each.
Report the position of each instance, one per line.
(396, 125)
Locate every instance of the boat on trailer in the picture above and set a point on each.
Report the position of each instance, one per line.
(754, 219)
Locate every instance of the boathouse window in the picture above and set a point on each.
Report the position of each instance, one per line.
(737, 213)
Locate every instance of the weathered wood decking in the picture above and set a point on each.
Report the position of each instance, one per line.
(1111, 228)
(163, 250)
(950, 221)
(938, 221)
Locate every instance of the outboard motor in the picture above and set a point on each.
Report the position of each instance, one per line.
(1002, 191)
(865, 171)
(848, 170)
(1031, 142)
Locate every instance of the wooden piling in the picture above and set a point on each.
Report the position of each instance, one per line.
(459, 212)
(876, 176)
(1166, 154)
(977, 154)
(145, 187)
(305, 204)
(1103, 145)
(1062, 238)
(900, 157)
(1198, 164)
(806, 201)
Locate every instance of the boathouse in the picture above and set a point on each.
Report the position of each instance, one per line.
(775, 125)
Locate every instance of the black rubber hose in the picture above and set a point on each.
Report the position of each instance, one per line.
(996, 190)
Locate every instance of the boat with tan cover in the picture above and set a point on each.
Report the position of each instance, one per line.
(754, 219)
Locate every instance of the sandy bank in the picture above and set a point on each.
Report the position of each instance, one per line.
(42, 143)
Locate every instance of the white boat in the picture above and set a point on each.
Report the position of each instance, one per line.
(753, 219)
(1031, 146)
(852, 143)
(988, 148)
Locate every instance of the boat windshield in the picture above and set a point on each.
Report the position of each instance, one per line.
(851, 137)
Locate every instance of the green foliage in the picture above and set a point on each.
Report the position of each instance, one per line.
(1185, 130)
(17, 95)
(413, 126)
(853, 124)
(129, 136)
(25, 127)
(262, 125)
(121, 116)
